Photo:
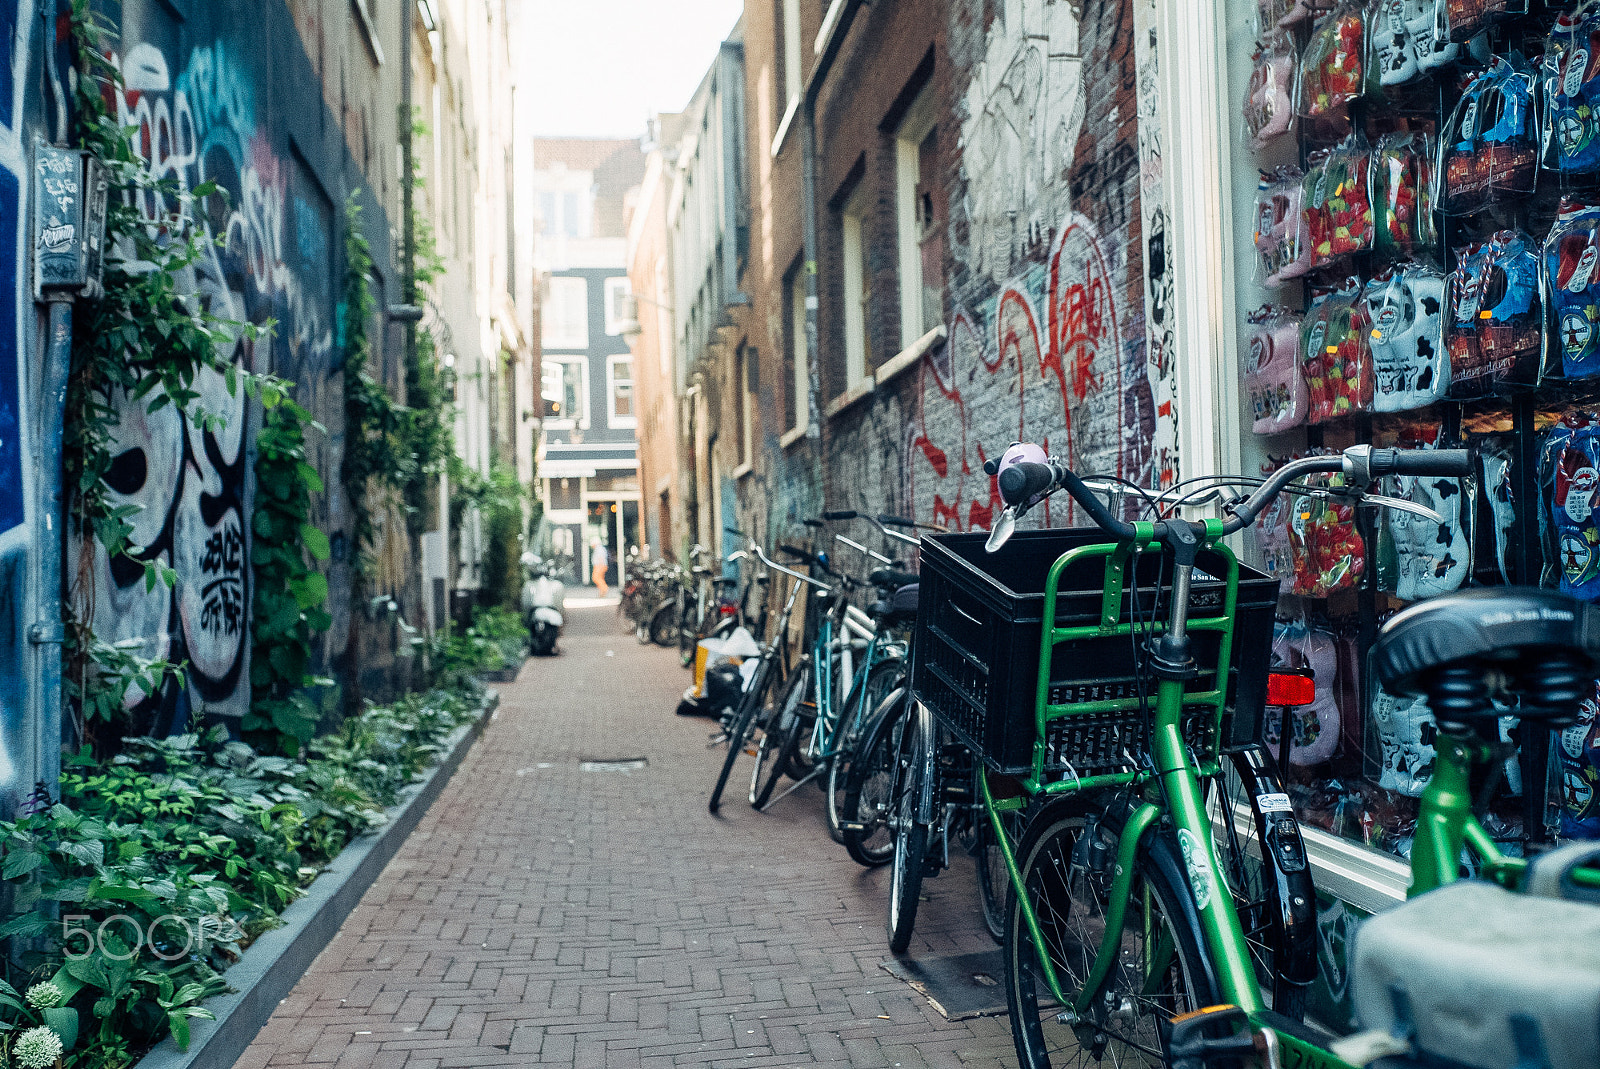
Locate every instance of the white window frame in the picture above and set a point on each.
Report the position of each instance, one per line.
(576, 339)
(612, 419)
(568, 422)
(802, 367)
(914, 129)
(791, 52)
(856, 291)
(614, 287)
(663, 320)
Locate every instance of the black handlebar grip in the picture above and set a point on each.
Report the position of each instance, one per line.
(794, 551)
(895, 521)
(846, 514)
(1443, 462)
(1021, 481)
(812, 522)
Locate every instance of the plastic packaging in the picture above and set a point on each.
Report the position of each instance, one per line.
(1572, 286)
(1468, 18)
(1401, 174)
(1576, 469)
(1431, 558)
(1294, 12)
(1409, 366)
(1336, 359)
(1394, 56)
(1490, 146)
(1497, 515)
(1269, 103)
(1429, 28)
(1331, 69)
(1329, 553)
(1570, 73)
(1274, 383)
(1338, 202)
(1493, 327)
(1579, 760)
(1406, 733)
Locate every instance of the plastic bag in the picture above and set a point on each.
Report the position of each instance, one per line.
(1570, 73)
(1409, 367)
(1497, 515)
(1579, 759)
(1274, 383)
(1401, 176)
(1331, 69)
(1490, 146)
(1429, 28)
(1292, 255)
(1572, 286)
(1406, 733)
(1394, 56)
(1468, 18)
(1493, 327)
(1338, 202)
(1272, 536)
(1269, 103)
(1294, 12)
(1329, 552)
(1314, 728)
(1337, 362)
(1576, 459)
(1431, 558)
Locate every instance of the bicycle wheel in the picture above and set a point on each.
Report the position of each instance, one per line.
(781, 736)
(870, 784)
(1272, 888)
(911, 833)
(663, 625)
(686, 633)
(885, 676)
(994, 881)
(742, 727)
(1067, 869)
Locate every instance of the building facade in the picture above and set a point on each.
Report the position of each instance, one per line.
(588, 457)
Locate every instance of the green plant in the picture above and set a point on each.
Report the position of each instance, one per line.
(290, 593)
(499, 497)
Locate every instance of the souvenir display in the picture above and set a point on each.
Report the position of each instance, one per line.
(1402, 171)
(1329, 553)
(1338, 202)
(1276, 388)
(1314, 728)
(1494, 322)
(1468, 18)
(1431, 557)
(1409, 368)
(1335, 354)
(1429, 29)
(1331, 66)
(1571, 92)
(1579, 757)
(1394, 56)
(1571, 258)
(1269, 103)
(1283, 247)
(1405, 731)
(1489, 148)
(1575, 454)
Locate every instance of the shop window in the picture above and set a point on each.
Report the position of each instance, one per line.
(854, 227)
(566, 313)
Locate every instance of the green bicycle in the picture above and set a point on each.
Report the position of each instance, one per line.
(1122, 939)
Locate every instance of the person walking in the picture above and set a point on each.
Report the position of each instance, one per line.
(600, 558)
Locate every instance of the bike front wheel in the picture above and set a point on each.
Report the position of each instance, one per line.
(994, 880)
(1067, 865)
(912, 831)
(782, 737)
(868, 793)
(742, 727)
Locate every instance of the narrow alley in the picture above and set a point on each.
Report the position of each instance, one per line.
(545, 913)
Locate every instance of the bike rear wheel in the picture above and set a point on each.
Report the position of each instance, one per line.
(1159, 972)
(781, 737)
(663, 625)
(869, 790)
(994, 879)
(742, 727)
(885, 677)
(912, 831)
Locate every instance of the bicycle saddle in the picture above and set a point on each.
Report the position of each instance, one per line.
(1546, 642)
(901, 605)
(891, 578)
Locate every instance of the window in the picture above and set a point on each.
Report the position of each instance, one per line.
(663, 320)
(791, 52)
(566, 314)
(571, 223)
(564, 387)
(619, 388)
(919, 219)
(796, 369)
(619, 311)
(857, 290)
(744, 371)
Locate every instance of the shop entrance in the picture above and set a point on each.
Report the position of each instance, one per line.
(611, 520)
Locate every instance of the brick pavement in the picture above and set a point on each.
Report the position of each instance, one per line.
(541, 914)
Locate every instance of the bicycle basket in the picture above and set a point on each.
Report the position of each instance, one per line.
(976, 653)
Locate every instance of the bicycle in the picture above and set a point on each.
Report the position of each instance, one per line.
(1121, 934)
(809, 738)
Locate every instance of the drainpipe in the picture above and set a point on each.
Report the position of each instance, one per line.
(836, 25)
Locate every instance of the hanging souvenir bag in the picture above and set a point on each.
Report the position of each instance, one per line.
(1338, 208)
(1433, 556)
(1295, 11)
(1572, 92)
(1579, 758)
(1572, 286)
(1469, 376)
(1511, 308)
(1269, 104)
(1294, 255)
(1409, 368)
(1572, 511)
(1429, 29)
(1394, 57)
(1399, 174)
(1314, 728)
(1508, 143)
(1331, 70)
(1468, 18)
(1336, 360)
(1275, 386)
(1329, 553)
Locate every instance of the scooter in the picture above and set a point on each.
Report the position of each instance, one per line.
(543, 600)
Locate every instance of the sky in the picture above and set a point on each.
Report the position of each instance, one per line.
(601, 67)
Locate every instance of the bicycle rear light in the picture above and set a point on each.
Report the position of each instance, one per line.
(1290, 688)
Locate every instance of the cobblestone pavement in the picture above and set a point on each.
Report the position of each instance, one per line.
(542, 914)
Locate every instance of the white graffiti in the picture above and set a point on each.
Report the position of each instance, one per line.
(1159, 276)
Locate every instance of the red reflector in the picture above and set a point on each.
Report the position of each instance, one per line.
(727, 610)
(1290, 689)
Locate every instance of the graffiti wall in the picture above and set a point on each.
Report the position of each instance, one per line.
(228, 96)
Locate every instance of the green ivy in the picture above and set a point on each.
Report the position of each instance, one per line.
(290, 593)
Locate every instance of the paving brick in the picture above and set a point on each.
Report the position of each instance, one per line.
(569, 918)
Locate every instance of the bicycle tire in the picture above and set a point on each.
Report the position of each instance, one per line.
(870, 784)
(740, 728)
(663, 625)
(994, 879)
(885, 677)
(687, 638)
(911, 834)
(781, 737)
(1128, 1024)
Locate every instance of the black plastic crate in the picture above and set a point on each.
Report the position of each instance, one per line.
(979, 621)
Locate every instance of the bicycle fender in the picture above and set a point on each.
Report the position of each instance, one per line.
(1293, 889)
(927, 806)
(1161, 852)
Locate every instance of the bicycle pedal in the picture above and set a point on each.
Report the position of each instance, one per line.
(852, 827)
(1191, 1047)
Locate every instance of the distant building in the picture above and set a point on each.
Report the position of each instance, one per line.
(588, 455)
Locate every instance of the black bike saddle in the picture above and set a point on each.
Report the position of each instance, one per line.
(1546, 644)
(891, 578)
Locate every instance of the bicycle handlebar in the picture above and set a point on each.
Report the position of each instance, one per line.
(775, 566)
(844, 514)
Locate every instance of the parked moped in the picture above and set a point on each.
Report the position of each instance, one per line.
(543, 601)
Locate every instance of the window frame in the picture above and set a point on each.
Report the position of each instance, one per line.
(857, 280)
(612, 286)
(577, 340)
(612, 419)
(568, 422)
(800, 378)
(919, 122)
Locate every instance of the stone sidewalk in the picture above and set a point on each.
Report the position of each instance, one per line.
(545, 914)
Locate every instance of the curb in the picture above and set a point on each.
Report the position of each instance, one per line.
(266, 972)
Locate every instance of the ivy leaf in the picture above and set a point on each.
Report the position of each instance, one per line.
(315, 541)
(310, 589)
(309, 476)
(204, 189)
